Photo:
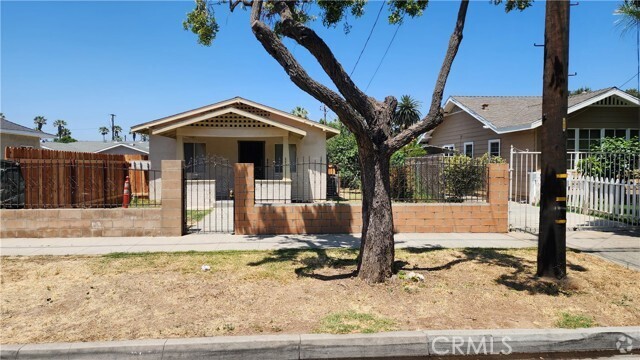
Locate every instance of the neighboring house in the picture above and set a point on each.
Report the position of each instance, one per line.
(243, 131)
(475, 125)
(102, 147)
(15, 135)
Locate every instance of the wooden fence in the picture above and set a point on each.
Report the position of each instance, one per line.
(56, 179)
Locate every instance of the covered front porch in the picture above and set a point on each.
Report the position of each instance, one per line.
(240, 131)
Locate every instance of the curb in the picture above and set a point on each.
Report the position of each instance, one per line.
(401, 344)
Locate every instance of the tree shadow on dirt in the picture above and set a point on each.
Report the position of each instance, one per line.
(322, 266)
(521, 272)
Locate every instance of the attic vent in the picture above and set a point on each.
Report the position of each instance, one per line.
(231, 121)
(485, 106)
(613, 101)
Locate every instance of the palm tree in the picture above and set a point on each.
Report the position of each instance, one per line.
(60, 124)
(116, 133)
(407, 113)
(629, 10)
(103, 131)
(299, 111)
(39, 121)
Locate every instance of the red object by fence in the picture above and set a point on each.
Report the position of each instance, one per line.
(127, 193)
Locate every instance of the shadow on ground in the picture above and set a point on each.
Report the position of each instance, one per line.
(519, 273)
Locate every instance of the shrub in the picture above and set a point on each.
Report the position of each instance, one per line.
(613, 158)
(464, 176)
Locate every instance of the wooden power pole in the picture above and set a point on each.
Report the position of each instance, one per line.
(553, 213)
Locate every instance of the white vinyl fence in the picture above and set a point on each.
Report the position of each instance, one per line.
(592, 202)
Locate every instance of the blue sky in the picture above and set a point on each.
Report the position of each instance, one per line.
(81, 61)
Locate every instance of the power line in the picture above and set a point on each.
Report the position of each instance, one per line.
(383, 56)
(369, 37)
(631, 78)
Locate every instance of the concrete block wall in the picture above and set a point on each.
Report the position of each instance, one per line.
(166, 220)
(252, 219)
(65, 223)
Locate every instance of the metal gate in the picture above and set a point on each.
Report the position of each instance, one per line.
(208, 195)
(597, 199)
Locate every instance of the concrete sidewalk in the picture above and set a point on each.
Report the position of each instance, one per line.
(622, 248)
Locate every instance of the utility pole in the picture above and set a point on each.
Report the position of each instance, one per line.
(113, 136)
(323, 107)
(552, 259)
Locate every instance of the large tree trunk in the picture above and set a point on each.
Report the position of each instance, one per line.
(377, 245)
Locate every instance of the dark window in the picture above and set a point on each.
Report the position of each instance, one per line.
(279, 158)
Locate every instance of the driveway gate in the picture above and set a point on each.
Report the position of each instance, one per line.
(596, 198)
(208, 191)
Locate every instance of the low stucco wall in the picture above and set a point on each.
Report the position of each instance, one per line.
(256, 219)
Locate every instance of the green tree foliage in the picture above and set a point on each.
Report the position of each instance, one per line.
(342, 151)
(60, 126)
(633, 92)
(580, 90)
(464, 176)
(614, 158)
(2, 117)
(629, 12)
(299, 111)
(39, 121)
(407, 113)
(117, 130)
(103, 130)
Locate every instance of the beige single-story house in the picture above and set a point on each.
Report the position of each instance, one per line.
(102, 147)
(475, 125)
(16, 135)
(244, 131)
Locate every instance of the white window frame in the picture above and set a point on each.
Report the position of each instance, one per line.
(499, 146)
(451, 147)
(464, 148)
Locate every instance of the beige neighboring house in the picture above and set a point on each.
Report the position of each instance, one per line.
(475, 125)
(244, 131)
(15, 135)
(102, 147)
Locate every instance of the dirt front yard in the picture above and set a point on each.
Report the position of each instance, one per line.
(135, 296)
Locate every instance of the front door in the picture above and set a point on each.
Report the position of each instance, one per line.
(252, 152)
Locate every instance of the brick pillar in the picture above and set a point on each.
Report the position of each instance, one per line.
(172, 222)
(498, 196)
(244, 192)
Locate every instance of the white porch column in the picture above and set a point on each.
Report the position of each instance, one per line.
(179, 148)
(285, 157)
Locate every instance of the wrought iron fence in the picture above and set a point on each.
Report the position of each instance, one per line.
(74, 183)
(209, 196)
(416, 180)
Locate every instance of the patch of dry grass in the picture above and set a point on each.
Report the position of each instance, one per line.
(134, 296)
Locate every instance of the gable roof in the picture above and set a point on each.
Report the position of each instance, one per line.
(9, 127)
(504, 114)
(185, 118)
(96, 146)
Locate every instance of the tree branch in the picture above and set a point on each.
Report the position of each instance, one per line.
(234, 3)
(310, 40)
(435, 116)
(274, 46)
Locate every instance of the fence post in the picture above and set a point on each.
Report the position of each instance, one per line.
(172, 198)
(244, 192)
(498, 196)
